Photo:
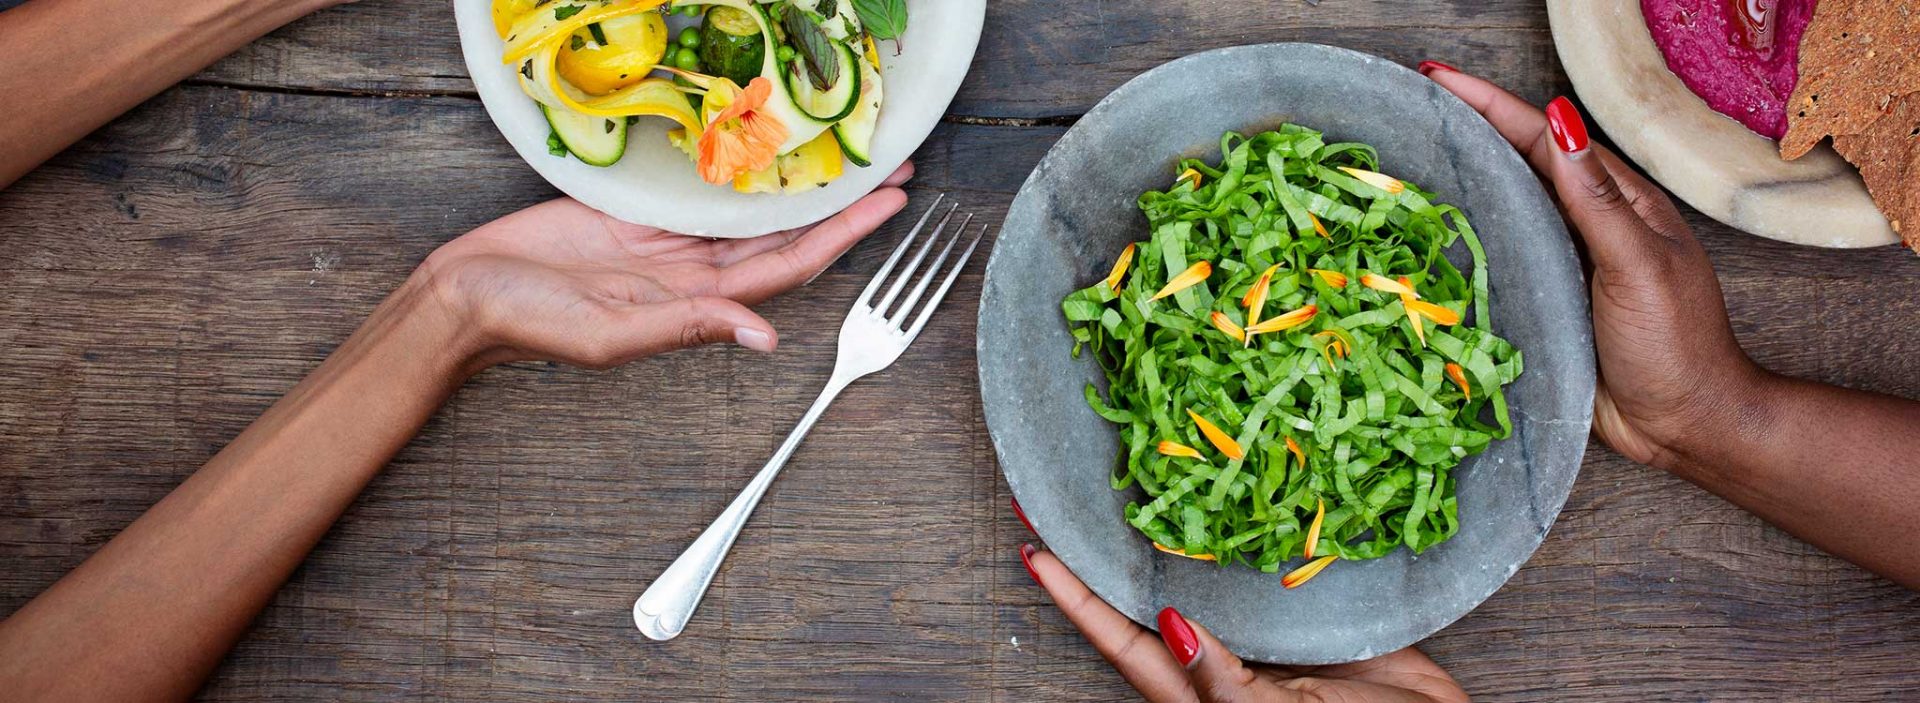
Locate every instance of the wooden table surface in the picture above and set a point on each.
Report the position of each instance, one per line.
(165, 280)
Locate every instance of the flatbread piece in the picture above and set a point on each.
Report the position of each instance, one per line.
(1856, 58)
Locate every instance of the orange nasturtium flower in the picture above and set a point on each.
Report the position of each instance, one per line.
(1459, 377)
(1313, 531)
(1178, 449)
(741, 139)
(1220, 440)
(1120, 267)
(1294, 578)
(1391, 185)
(1176, 552)
(1225, 324)
(1284, 322)
(1187, 279)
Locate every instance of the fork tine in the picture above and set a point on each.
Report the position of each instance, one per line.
(926, 279)
(898, 251)
(900, 282)
(941, 294)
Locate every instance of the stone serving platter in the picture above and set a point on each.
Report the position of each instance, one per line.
(1717, 165)
(1076, 212)
(655, 184)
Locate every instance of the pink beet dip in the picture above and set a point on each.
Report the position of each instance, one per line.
(1738, 55)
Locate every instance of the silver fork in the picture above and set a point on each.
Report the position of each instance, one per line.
(870, 340)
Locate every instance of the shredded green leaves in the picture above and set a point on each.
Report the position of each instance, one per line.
(1381, 429)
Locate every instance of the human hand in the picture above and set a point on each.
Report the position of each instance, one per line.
(560, 281)
(1671, 372)
(1188, 665)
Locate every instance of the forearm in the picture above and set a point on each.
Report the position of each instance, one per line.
(149, 615)
(1836, 467)
(70, 66)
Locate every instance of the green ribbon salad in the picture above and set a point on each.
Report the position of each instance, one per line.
(1379, 376)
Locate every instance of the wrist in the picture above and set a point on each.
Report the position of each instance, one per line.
(1732, 411)
(416, 328)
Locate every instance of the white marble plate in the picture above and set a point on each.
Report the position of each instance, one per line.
(1715, 164)
(655, 184)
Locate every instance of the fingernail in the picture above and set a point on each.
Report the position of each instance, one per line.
(1179, 637)
(753, 339)
(1026, 557)
(1569, 131)
(1022, 514)
(1428, 67)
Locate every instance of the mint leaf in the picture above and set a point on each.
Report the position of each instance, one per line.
(885, 19)
(565, 11)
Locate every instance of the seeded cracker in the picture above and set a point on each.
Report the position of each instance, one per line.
(1856, 58)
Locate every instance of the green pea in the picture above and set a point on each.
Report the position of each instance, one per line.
(691, 10)
(690, 37)
(686, 59)
(784, 53)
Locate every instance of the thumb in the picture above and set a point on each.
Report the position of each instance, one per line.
(653, 328)
(1217, 675)
(1617, 236)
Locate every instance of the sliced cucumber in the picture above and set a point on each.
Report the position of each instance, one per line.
(856, 131)
(598, 141)
(838, 100)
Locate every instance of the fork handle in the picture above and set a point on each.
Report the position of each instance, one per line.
(666, 606)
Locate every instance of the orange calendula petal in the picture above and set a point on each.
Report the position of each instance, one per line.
(1459, 377)
(1220, 440)
(1120, 267)
(1222, 323)
(1338, 340)
(1178, 449)
(1187, 279)
(1298, 453)
(1259, 285)
(1407, 300)
(1433, 312)
(1189, 175)
(1256, 298)
(1313, 531)
(1285, 322)
(1178, 553)
(1335, 279)
(1294, 578)
(1378, 180)
(1318, 228)
(1386, 285)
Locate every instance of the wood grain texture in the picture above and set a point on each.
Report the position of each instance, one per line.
(164, 281)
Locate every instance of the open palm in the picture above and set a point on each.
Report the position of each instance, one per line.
(561, 281)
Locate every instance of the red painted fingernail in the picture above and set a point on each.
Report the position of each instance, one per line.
(1569, 131)
(1022, 514)
(1026, 557)
(1178, 635)
(1428, 67)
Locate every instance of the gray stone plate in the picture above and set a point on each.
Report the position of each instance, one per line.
(1076, 212)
